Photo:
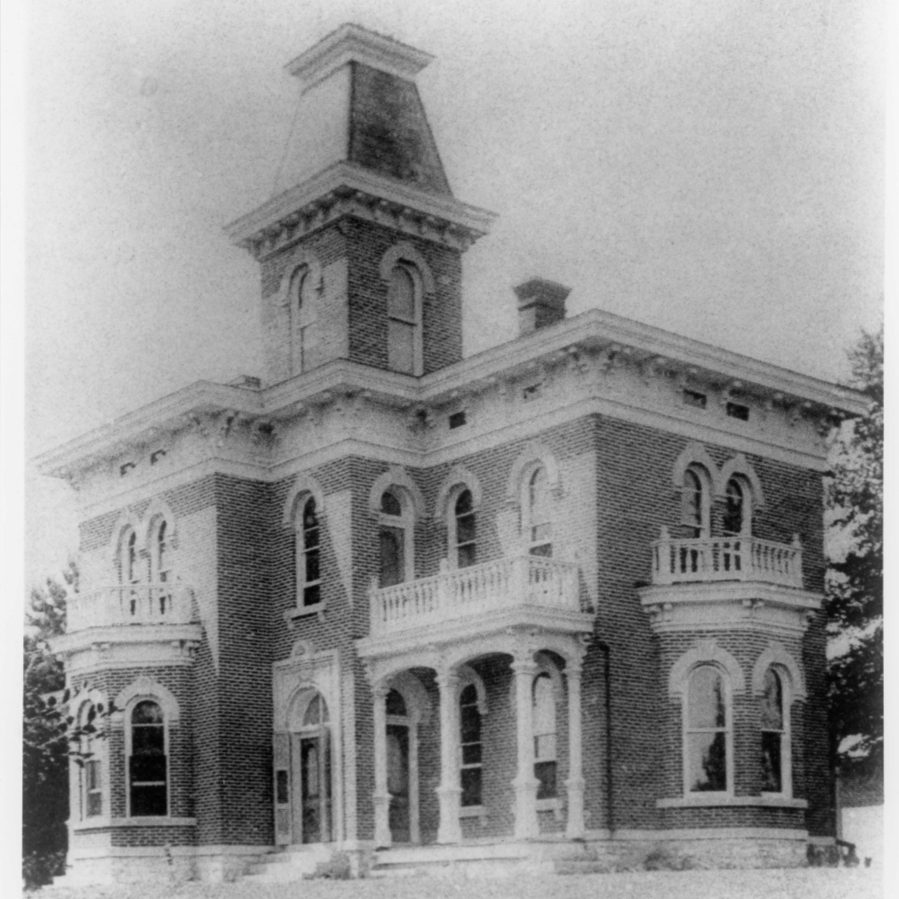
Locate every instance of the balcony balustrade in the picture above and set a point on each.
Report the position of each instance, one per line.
(525, 581)
(726, 559)
(130, 604)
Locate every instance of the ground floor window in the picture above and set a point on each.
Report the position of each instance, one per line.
(544, 723)
(470, 720)
(148, 763)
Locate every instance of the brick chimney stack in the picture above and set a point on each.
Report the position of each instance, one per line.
(540, 303)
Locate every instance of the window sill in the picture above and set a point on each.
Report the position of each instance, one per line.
(292, 615)
(732, 801)
(473, 811)
(148, 821)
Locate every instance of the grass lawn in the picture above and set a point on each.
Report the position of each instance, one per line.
(793, 883)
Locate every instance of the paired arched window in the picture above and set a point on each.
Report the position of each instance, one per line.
(395, 538)
(696, 498)
(470, 746)
(129, 570)
(147, 761)
(545, 737)
(775, 734)
(463, 530)
(404, 320)
(737, 520)
(308, 553)
(537, 518)
(301, 297)
(707, 732)
(160, 561)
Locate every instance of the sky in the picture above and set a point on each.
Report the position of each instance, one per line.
(712, 167)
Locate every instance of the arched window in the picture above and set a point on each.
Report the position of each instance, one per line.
(537, 517)
(696, 501)
(463, 531)
(395, 538)
(707, 732)
(92, 770)
(738, 509)
(470, 743)
(309, 556)
(160, 567)
(129, 572)
(544, 724)
(775, 735)
(404, 321)
(148, 761)
(315, 772)
(301, 297)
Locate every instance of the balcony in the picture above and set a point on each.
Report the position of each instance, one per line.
(525, 591)
(132, 604)
(706, 560)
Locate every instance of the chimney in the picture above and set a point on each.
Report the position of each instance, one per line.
(540, 303)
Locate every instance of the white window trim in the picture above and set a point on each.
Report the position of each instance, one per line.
(728, 735)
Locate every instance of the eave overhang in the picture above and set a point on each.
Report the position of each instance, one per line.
(343, 189)
(589, 340)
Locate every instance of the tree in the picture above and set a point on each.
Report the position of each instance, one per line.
(854, 595)
(45, 800)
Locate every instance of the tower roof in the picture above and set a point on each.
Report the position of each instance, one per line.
(360, 104)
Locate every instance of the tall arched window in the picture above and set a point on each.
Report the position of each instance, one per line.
(148, 761)
(696, 501)
(707, 732)
(395, 538)
(537, 515)
(470, 743)
(309, 555)
(775, 735)
(463, 531)
(404, 321)
(92, 770)
(129, 572)
(738, 509)
(160, 567)
(301, 296)
(544, 724)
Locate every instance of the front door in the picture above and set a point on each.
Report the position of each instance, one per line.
(311, 787)
(398, 782)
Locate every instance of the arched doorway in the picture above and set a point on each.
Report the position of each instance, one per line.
(303, 776)
(399, 768)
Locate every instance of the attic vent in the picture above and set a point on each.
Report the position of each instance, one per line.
(694, 398)
(738, 410)
(456, 420)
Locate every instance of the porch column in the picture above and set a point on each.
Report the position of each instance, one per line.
(525, 784)
(380, 797)
(574, 829)
(449, 791)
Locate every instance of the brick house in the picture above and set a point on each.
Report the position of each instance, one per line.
(559, 597)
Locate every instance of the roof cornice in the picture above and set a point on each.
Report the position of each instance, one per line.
(602, 334)
(347, 189)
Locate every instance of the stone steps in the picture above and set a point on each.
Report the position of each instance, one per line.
(478, 860)
(286, 865)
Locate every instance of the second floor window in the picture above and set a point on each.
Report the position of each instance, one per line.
(464, 530)
(737, 520)
(696, 502)
(309, 555)
(129, 572)
(395, 539)
(537, 518)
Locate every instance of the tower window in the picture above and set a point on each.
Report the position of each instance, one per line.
(404, 321)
